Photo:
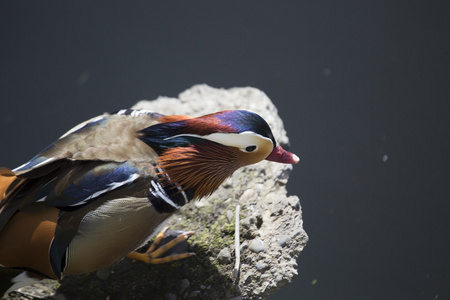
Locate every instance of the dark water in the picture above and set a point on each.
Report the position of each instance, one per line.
(363, 87)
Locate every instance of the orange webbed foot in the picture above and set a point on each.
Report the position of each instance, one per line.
(158, 250)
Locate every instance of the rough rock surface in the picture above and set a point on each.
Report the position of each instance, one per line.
(271, 231)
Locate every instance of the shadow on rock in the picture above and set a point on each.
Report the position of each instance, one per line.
(195, 277)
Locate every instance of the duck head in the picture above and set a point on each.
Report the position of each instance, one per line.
(200, 153)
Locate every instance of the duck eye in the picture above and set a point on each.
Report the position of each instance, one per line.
(250, 148)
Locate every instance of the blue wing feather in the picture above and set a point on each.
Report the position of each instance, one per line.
(86, 185)
(36, 161)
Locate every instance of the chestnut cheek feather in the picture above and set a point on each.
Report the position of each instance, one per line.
(200, 168)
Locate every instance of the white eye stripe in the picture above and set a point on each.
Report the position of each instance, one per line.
(238, 140)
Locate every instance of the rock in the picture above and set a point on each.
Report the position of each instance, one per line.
(248, 196)
(39, 290)
(224, 256)
(104, 274)
(257, 246)
(184, 285)
(282, 240)
(194, 294)
(246, 222)
(260, 265)
(170, 296)
(230, 216)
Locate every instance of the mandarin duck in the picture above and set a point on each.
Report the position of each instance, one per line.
(103, 189)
